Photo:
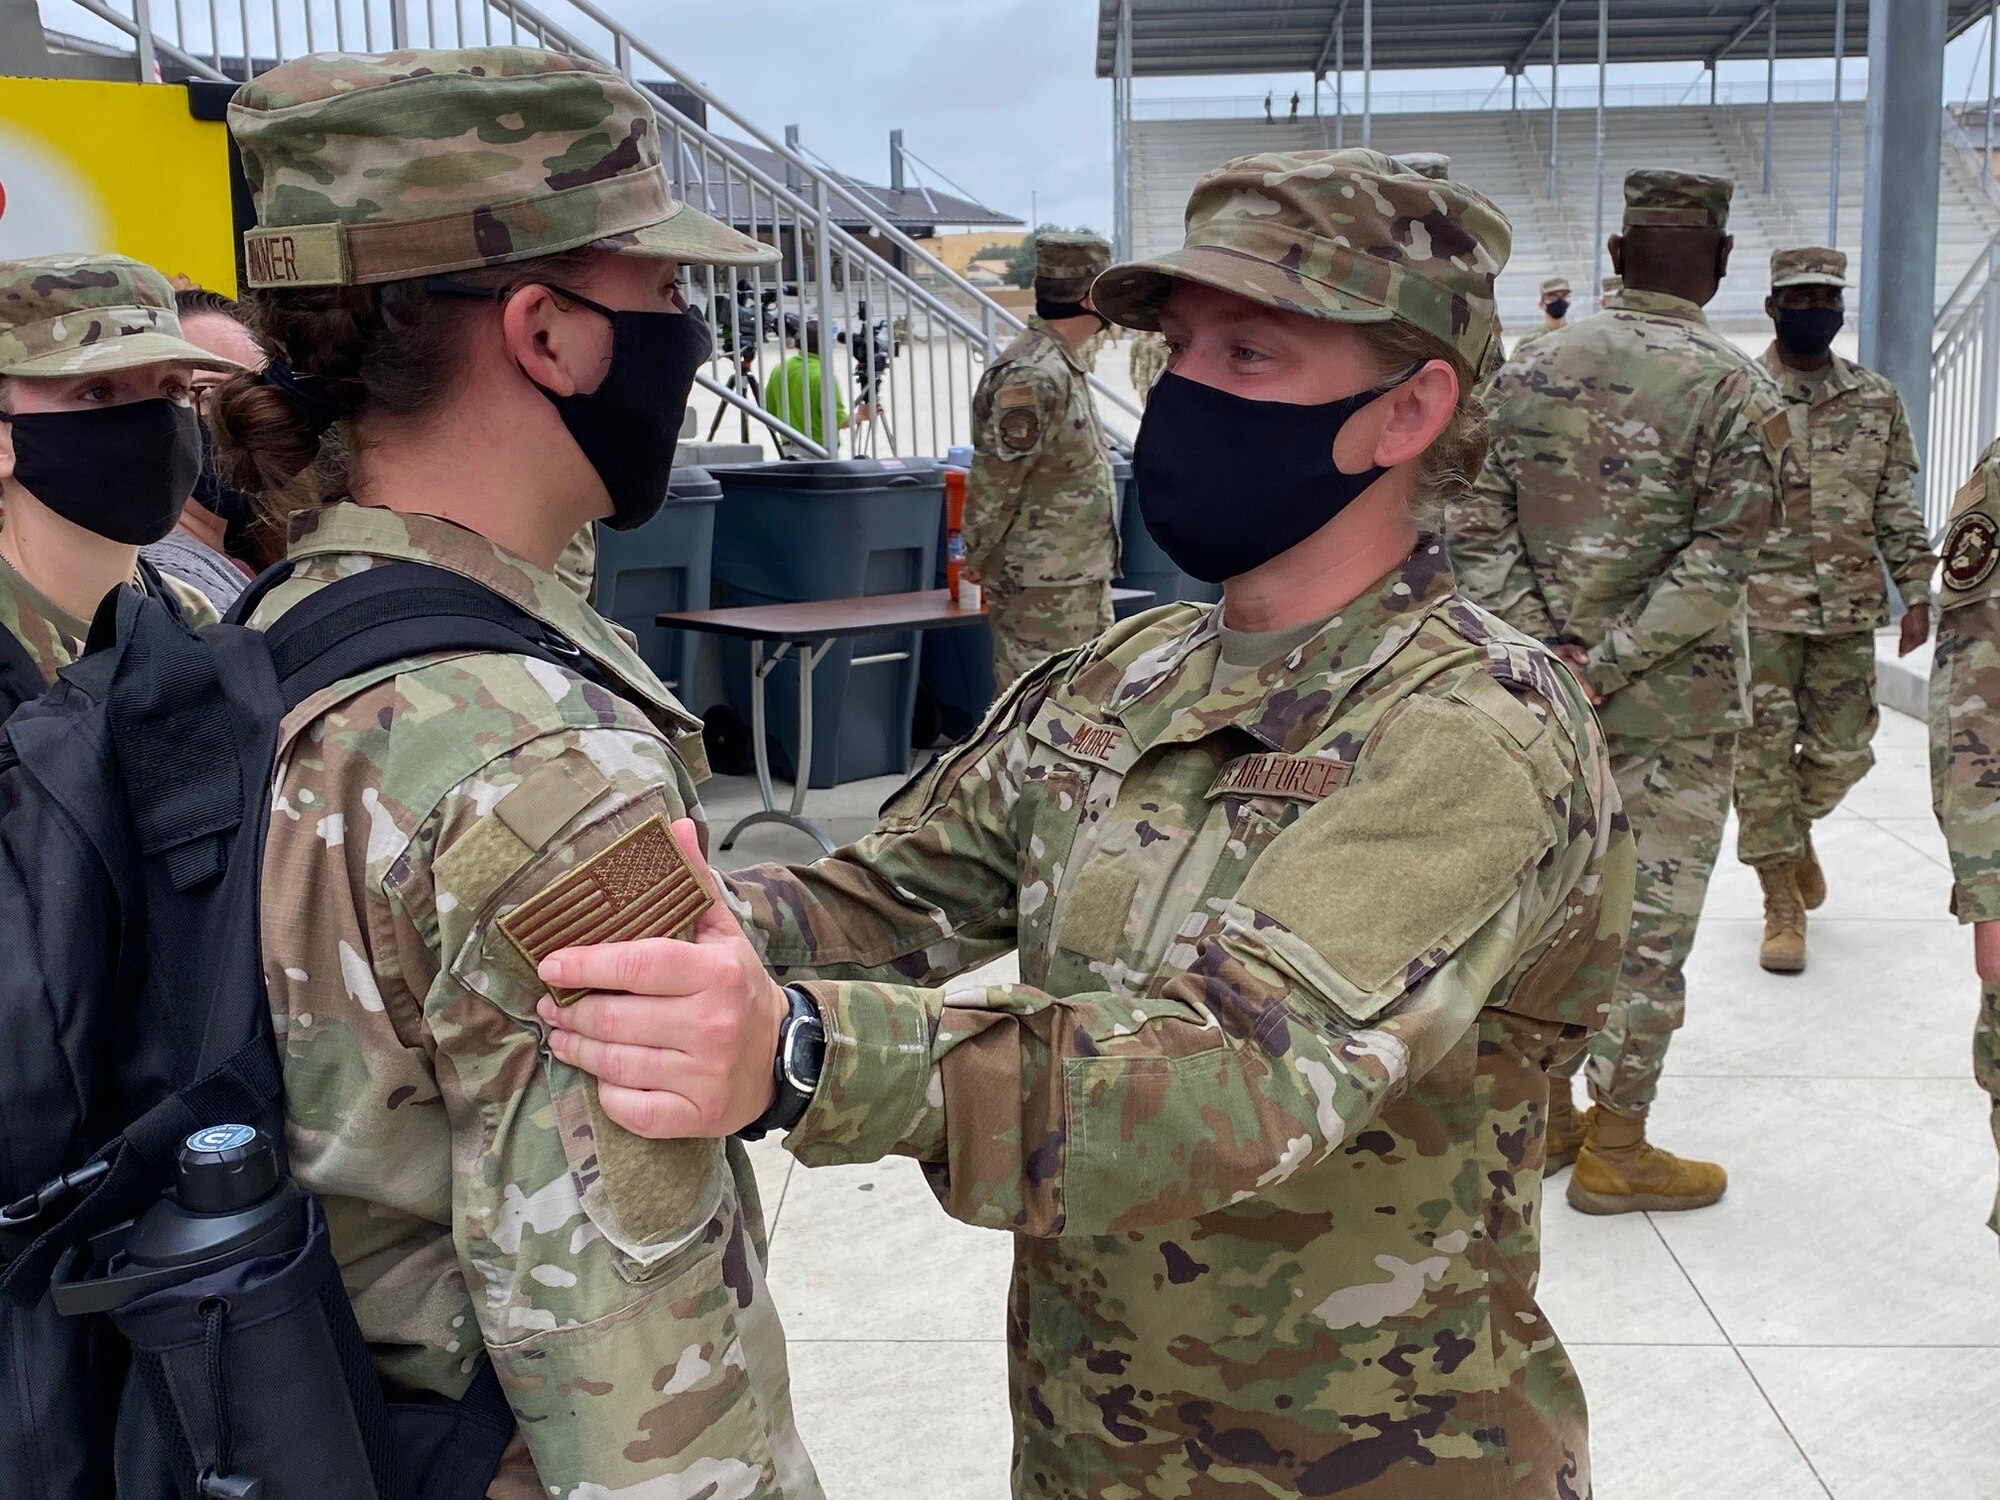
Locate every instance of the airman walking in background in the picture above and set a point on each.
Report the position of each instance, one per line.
(1555, 312)
(1149, 358)
(1817, 597)
(1631, 477)
(1041, 532)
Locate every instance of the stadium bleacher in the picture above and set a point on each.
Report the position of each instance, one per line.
(1504, 154)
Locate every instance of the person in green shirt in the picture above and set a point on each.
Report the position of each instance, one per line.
(792, 394)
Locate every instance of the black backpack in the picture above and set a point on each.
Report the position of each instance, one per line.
(134, 797)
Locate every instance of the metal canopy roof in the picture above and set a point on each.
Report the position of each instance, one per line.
(1207, 37)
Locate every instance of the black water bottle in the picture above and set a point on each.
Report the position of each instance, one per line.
(230, 1201)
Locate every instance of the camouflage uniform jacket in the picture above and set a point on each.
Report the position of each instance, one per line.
(54, 637)
(1266, 1112)
(1040, 504)
(1817, 572)
(473, 1189)
(1147, 360)
(1628, 485)
(1531, 338)
(1964, 692)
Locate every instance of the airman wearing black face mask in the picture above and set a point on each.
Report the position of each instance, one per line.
(99, 449)
(1818, 598)
(216, 523)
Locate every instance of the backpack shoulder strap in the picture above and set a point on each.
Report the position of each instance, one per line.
(402, 610)
(20, 678)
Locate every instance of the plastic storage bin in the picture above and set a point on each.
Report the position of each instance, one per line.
(831, 529)
(663, 565)
(1145, 565)
(957, 679)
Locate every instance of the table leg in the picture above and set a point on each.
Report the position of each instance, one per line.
(808, 657)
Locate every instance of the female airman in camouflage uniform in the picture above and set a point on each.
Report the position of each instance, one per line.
(95, 414)
(1965, 764)
(1310, 889)
(463, 261)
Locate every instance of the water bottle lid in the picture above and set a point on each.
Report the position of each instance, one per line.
(225, 1168)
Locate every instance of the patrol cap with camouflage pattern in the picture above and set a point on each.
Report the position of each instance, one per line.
(1346, 236)
(371, 168)
(90, 314)
(1808, 265)
(1556, 286)
(1432, 164)
(1065, 264)
(1669, 198)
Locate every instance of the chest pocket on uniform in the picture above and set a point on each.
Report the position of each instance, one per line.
(1073, 776)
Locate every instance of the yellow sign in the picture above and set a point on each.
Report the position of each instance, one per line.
(115, 166)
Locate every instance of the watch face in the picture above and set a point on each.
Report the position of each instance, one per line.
(805, 1054)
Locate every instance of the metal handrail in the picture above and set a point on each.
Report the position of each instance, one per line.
(681, 124)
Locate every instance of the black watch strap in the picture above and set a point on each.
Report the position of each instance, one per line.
(796, 1068)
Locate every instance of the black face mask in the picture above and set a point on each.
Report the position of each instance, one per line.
(123, 472)
(630, 425)
(1809, 331)
(1226, 483)
(1559, 309)
(215, 494)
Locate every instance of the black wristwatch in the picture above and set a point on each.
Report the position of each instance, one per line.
(801, 1055)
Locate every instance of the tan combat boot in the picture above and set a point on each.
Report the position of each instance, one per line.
(1566, 1128)
(1618, 1172)
(1784, 950)
(1811, 878)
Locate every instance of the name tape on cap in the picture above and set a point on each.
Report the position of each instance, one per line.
(303, 255)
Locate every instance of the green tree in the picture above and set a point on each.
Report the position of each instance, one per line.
(1021, 258)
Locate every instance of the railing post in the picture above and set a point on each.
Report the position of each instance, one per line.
(1989, 350)
(823, 282)
(142, 21)
(399, 23)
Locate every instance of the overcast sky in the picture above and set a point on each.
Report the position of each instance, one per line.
(999, 94)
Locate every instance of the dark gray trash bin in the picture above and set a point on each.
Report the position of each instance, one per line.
(1145, 565)
(831, 529)
(663, 565)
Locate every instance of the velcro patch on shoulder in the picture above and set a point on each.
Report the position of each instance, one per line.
(1970, 493)
(1523, 725)
(1778, 429)
(1015, 395)
(1296, 778)
(640, 886)
(1070, 734)
(545, 803)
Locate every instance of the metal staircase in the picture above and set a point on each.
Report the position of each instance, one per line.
(902, 336)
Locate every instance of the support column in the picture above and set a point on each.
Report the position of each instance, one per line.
(1555, 94)
(1514, 98)
(1770, 90)
(1367, 72)
(1839, 70)
(1992, 59)
(1121, 133)
(1603, 69)
(1900, 222)
(1340, 82)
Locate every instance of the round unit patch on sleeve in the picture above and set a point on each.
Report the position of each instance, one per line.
(1021, 428)
(1971, 548)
